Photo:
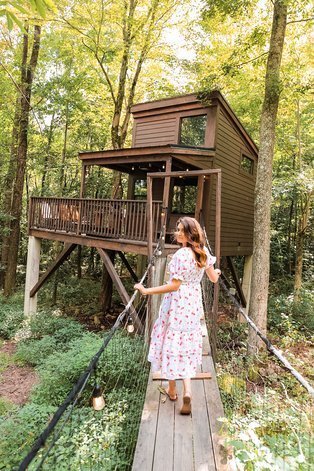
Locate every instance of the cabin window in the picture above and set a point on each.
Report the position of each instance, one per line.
(247, 164)
(184, 199)
(140, 190)
(192, 130)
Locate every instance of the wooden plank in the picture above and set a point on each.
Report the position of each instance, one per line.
(145, 447)
(183, 452)
(214, 411)
(203, 448)
(68, 249)
(201, 375)
(163, 457)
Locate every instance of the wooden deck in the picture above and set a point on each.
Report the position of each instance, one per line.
(168, 441)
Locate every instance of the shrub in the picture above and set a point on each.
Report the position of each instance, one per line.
(11, 316)
(19, 431)
(59, 372)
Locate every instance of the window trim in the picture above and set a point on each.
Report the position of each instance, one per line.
(242, 171)
(180, 127)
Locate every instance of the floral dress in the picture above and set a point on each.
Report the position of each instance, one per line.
(176, 340)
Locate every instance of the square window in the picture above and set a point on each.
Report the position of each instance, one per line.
(247, 164)
(192, 130)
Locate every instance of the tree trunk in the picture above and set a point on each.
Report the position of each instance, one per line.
(8, 193)
(263, 189)
(27, 76)
(302, 226)
(47, 156)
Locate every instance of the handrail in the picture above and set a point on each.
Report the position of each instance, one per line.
(103, 218)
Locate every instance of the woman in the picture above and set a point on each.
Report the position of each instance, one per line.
(176, 341)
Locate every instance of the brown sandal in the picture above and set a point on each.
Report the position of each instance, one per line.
(186, 407)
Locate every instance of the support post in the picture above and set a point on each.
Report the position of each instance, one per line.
(158, 279)
(213, 333)
(149, 213)
(32, 274)
(246, 283)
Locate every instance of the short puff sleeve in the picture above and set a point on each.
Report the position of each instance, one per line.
(179, 265)
(210, 259)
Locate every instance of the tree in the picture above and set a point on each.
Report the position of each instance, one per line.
(28, 67)
(263, 189)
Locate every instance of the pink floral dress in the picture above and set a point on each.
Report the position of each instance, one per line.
(176, 341)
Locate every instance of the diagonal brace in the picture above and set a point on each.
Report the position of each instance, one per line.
(119, 285)
(68, 249)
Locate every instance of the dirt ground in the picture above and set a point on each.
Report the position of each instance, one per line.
(16, 382)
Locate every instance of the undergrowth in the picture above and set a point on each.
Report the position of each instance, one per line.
(268, 413)
(60, 349)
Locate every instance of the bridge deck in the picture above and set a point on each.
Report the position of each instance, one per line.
(168, 441)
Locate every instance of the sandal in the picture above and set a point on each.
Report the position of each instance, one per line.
(186, 406)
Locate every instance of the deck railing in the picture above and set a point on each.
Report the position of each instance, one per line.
(117, 219)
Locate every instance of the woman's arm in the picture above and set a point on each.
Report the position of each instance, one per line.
(213, 274)
(174, 285)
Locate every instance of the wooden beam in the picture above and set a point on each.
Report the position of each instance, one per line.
(68, 249)
(191, 173)
(128, 266)
(236, 280)
(149, 212)
(165, 201)
(121, 289)
(199, 199)
(200, 375)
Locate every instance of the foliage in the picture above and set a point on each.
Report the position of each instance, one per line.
(60, 371)
(273, 435)
(292, 319)
(19, 430)
(11, 317)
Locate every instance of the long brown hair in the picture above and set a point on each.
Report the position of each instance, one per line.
(195, 239)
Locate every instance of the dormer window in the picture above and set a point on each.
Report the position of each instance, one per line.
(192, 130)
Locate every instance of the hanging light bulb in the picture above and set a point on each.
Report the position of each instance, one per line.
(132, 168)
(98, 400)
(130, 325)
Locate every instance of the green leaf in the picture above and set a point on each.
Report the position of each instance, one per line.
(41, 7)
(9, 20)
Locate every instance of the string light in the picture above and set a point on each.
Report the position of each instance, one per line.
(130, 325)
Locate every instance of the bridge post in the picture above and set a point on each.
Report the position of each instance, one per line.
(32, 274)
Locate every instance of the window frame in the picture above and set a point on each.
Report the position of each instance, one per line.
(181, 118)
(242, 170)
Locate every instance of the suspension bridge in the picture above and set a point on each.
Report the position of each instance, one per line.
(165, 440)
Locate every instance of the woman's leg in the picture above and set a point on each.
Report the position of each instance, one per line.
(186, 406)
(172, 390)
(187, 387)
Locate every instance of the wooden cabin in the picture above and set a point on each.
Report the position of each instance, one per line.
(179, 134)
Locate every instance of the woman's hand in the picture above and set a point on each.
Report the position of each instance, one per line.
(141, 289)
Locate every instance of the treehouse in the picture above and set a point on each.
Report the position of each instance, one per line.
(179, 146)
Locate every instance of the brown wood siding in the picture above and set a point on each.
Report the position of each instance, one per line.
(237, 207)
(156, 133)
